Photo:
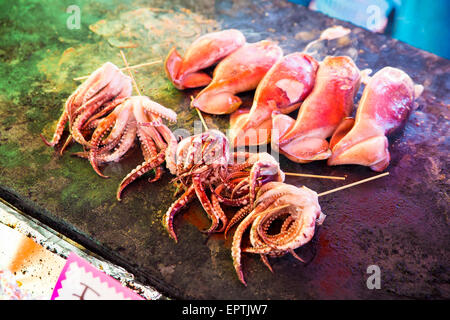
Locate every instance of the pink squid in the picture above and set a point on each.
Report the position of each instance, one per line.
(282, 90)
(239, 72)
(304, 140)
(384, 107)
(185, 72)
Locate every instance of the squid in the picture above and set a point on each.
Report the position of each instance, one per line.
(281, 91)
(384, 107)
(304, 140)
(185, 72)
(300, 212)
(239, 72)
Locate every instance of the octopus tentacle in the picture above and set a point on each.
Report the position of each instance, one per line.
(139, 171)
(206, 204)
(149, 151)
(171, 149)
(265, 260)
(156, 108)
(120, 148)
(66, 144)
(241, 214)
(236, 202)
(59, 130)
(95, 119)
(91, 106)
(219, 213)
(236, 244)
(187, 196)
(102, 129)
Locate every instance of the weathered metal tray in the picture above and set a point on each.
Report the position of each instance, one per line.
(399, 223)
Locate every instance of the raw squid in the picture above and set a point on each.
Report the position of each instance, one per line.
(185, 72)
(282, 90)
(240, 71)
(384, 107)
(304, 140)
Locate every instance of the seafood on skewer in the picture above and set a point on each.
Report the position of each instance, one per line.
(213, 175)
(384, 107)
(282, 90)
(201, 161)
(186, 72)
(105, 88)
(300, 212)
(136, 117)
(239, 72)
(304, 139)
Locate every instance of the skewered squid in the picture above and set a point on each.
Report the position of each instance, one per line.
(186, 72)
(105, 88)
(300, 212)
(304, 140)
(384, 107)
(240, 71)
(209, 172)
(282, 90)
(136, 117)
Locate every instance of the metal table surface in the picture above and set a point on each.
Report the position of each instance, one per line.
(399, 223)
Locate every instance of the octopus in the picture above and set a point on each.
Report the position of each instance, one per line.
(98, 95)
(209, 172)
(136, 117)
(299, 212)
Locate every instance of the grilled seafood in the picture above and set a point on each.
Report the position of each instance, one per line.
(297, 207)
(209, 172)
(282, 90)
(185, 72)
(384, 107)
(105, 88)
(331, 100)
(201, 161)
(240, 71)
(140, 117)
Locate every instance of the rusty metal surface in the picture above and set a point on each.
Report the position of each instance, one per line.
(399, 222)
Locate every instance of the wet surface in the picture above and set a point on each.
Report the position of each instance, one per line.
(399, 222)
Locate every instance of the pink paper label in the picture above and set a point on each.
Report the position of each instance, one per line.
(79, 280)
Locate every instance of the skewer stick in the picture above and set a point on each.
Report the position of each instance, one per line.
(201, 116)
(130, 73)
(353, 184)
(313, 176)
(126, 68)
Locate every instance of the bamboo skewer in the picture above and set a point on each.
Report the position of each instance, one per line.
(201, 116)
(313, 176)
(130, 73)
(353, 184)
(126, 68)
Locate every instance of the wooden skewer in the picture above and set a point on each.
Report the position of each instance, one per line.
(127, 68)
(313, 176)
(130, 73)
(201, 116)
(353, 184)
